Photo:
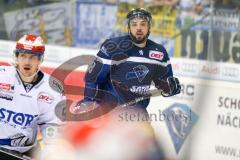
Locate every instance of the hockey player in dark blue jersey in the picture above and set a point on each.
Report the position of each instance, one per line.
(123, 71)
(126, 66)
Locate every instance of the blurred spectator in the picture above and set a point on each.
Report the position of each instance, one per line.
(111, 1)
(120, 1)
(9, 1)
(157, 2)
(190, 5)
(139, 2)
(237, 3)
(30, 2)
(226, 4)
(182, 4)
(200, 5)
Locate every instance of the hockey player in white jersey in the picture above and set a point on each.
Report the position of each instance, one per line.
(27, 101)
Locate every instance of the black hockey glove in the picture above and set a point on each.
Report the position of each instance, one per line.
(174, 87)
(169, 87)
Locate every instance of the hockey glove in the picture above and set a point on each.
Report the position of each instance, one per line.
(84, 106)
(19, 140)
(174, 87)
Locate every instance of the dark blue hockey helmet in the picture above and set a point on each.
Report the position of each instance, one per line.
(139, 13)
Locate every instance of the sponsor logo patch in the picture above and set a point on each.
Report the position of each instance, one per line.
(6, 96)
(51, 132)
(156, 55)
(6, 87)
(140, 89)
(45, 97)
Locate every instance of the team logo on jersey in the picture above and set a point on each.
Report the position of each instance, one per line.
(6, 87)
(140, 89)
(180, 121)
(138, 72)
(156, 55)
(45, 97)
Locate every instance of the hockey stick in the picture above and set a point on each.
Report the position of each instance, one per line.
(6, 154)
(153, 93)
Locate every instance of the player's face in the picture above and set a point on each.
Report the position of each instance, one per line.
(139, 28)
(27, 64)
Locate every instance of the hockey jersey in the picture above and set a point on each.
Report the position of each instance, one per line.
(123, 71)
(23, 109)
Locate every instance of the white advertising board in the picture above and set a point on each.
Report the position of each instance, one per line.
(202, 122)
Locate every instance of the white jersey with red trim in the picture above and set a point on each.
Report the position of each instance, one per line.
(23, 109)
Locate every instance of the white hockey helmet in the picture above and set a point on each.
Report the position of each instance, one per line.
(31, 44)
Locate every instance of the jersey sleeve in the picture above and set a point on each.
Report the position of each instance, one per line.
(48, 120)
(51, 128)
(169, 71)
(162, 72)
(98, 73)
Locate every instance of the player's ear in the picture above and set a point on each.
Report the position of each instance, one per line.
(128, 31)
(14, 58)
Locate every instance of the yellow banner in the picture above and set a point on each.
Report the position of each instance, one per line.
(164, 19)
